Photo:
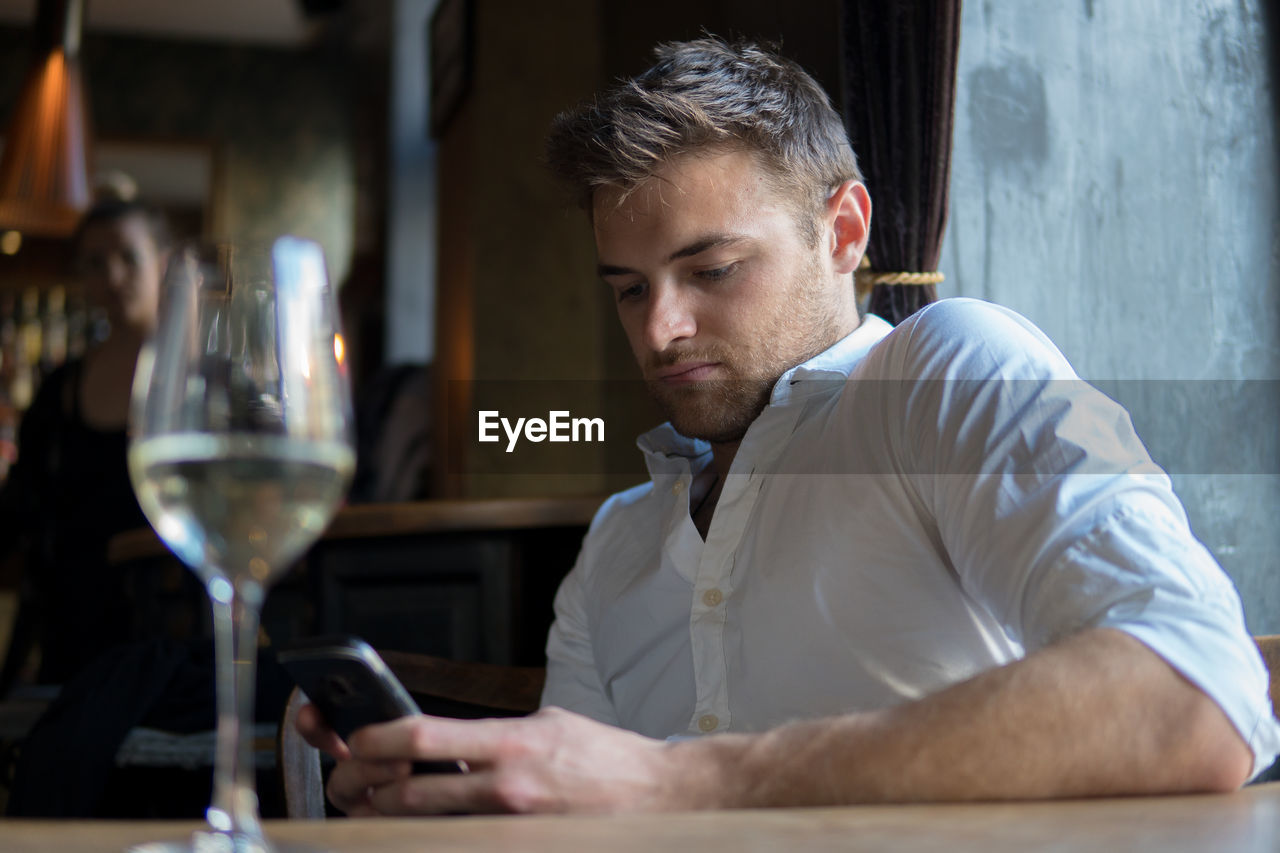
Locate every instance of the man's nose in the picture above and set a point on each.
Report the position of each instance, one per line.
(670, 317)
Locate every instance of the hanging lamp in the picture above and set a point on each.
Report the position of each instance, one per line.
(44, 172)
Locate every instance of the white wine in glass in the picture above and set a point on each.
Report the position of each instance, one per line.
(240, 451)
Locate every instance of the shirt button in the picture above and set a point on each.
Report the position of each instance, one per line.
(712, 597)
(678, 487)
(708, 722)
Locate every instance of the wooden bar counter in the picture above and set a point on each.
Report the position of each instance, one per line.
(461, 579)
(1248, 820)
(411, 518)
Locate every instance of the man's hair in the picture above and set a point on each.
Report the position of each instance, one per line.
(707, 95)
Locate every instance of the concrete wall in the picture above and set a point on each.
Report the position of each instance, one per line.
(1114, 179)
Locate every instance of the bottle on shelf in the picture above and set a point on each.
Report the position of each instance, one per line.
(40, 328)
(22, 389)
(54, 330)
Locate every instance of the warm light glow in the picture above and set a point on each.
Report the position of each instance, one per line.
(11, 242)
(44, 173)
(339, 349)
(259, 569)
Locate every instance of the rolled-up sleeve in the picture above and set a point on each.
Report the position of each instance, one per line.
(1141, 571)
(1056, 519)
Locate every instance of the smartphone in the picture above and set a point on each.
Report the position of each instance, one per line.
(352, 687)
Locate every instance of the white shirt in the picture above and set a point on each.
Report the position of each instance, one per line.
(914, 506)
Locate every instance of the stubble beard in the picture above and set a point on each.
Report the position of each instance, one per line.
(722, 410)
(715, 410)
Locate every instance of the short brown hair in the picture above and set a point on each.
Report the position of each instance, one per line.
(706, 95)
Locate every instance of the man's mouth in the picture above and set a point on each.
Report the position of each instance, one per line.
(689, 371)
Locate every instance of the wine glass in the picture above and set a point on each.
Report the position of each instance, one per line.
(240, 452)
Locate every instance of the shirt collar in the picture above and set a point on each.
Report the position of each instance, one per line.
(835, 362)
(668, 451)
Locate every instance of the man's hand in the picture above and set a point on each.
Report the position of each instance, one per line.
(552, 761)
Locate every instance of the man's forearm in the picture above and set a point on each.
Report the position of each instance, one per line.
(1099, 713)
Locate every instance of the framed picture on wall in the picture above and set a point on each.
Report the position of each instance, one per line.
(451, 48)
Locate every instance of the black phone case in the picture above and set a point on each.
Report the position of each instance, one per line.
(352, 687)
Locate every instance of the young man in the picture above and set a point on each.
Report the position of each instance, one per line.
(922, 563)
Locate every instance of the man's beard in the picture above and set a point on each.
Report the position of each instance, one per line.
(721, 410)
(715, 410)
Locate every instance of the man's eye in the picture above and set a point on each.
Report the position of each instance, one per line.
(717, 273)
(632, 292)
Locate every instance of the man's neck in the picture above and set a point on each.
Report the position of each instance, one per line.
(708, 485)
(722, 457)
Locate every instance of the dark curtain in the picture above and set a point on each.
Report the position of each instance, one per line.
(900, 75)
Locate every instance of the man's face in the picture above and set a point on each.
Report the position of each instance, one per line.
(717, 289)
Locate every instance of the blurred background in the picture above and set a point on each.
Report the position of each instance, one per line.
(1113, 178)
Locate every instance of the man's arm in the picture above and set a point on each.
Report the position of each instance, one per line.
(1096, 714)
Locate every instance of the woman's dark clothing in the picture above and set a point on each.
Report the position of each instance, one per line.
(67, 764)
(68, 494)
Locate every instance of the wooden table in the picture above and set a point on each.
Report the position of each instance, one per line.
(1248, 820)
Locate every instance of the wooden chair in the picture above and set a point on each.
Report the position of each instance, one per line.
(442, 687)
(1269, 646)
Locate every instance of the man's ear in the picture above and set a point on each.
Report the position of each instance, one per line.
(849, 224)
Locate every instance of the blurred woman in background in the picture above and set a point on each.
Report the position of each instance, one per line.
(69, 492)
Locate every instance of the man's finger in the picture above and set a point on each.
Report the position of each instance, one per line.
(350, 782)
(316, 731)
(438, 793)
(426, 738)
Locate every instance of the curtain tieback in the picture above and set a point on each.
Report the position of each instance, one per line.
(866, 278)
(874, 277)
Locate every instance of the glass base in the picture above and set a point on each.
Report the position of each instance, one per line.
(221, 842)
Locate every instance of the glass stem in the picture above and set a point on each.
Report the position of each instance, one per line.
(234, 807)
